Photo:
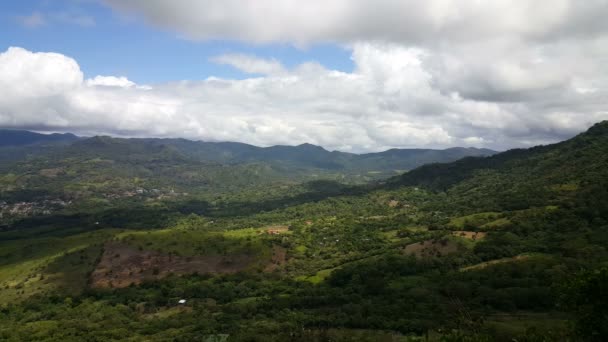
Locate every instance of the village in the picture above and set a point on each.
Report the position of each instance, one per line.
(25, 209)
(157, 194)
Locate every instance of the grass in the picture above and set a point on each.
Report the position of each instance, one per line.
(391, 235)
(242, 233)
(32, 266)
(496, 224)
(476, 220)
(466, 241)
(184, 242)
(317, 277)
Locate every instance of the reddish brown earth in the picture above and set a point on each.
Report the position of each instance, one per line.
(279, 258)
(431, 248)
(122, 265)
(275, 230)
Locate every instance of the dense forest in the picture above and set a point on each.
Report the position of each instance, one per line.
(116, 239)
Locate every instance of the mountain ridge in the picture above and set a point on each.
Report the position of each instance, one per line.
(303, 155)
(10, 137)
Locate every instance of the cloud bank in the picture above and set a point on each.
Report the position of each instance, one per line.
(437, 73)
(430, 22)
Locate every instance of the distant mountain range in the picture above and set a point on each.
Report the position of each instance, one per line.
(17, 145)
(14, 138)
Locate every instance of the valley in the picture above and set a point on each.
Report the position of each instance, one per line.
(271, 247)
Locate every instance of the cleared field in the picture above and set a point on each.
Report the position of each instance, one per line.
(475, 236)
(477, 220)
(182, 242)
(433, 248)
(122, 265)
(317, 277)
(517, 258)
(496, 224)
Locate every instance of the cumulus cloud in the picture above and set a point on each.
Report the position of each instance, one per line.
(251, 64)
(110, 81)
(430, 22)
(27, 75)
(496, 73)
(396, 96)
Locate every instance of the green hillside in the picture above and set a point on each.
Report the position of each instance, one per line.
(499, 248)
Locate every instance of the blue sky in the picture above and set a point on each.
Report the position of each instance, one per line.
(119, 45)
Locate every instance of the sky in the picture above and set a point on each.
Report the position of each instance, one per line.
(349, 75)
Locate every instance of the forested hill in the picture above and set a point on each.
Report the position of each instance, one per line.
(520, 178)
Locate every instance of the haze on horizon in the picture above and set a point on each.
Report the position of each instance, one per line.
(355, 76)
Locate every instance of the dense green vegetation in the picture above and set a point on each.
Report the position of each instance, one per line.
(511, 246)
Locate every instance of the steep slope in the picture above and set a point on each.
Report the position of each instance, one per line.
(407, 159)
(520, 178)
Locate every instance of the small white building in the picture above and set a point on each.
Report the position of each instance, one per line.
(182, 301)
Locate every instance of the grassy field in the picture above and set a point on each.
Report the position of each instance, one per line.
(32, 266)
(196, 242)
(317, 277)
(474, 220)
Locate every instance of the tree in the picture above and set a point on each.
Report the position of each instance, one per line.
(586, 296)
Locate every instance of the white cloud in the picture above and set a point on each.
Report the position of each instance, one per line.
(27, 75)
(514, 69)
(429, 22)
(251, 64)
(110, 81)
(396, 96)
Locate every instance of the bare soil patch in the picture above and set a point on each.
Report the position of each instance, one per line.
(122, 265)
(279, 258)
(432, 248)
(275, 230)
